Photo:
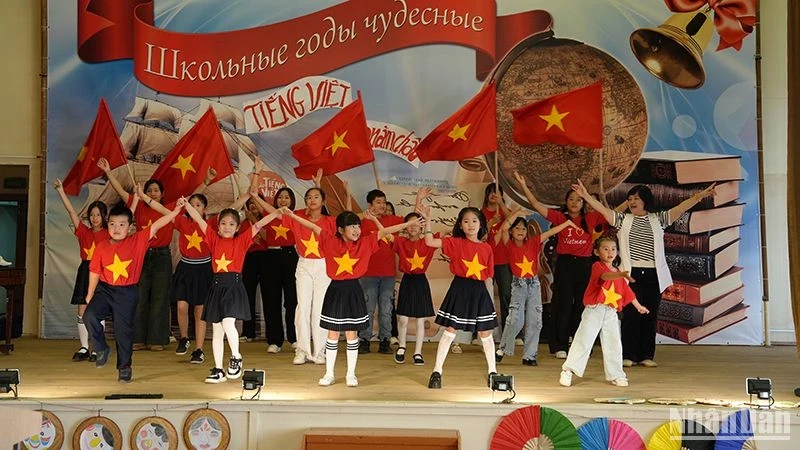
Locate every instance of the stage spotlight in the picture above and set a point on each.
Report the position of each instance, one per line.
(253, 380)
(9, 379)
(761, 388)
(499, 382)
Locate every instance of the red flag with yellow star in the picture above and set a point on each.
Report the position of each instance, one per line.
(340, 144)
(469, 132)
(187, 164)
(571, 118)
(102, 142)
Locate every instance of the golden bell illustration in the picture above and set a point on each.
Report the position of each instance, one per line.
(673, 52)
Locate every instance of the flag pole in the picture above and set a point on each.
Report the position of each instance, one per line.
(602, 169)
(374, 166)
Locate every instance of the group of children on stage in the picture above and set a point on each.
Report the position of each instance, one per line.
(332, 255)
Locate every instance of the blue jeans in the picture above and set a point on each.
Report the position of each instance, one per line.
(378, 291)
(525, 307)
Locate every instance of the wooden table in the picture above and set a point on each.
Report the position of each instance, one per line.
(14, 282)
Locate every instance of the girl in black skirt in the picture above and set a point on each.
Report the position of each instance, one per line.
(346, 260)
(87, 241)
(467, 305)
(228, 298)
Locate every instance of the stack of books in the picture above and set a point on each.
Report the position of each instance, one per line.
(702, 246)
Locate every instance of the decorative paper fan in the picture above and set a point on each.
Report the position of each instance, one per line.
(535, 428)
(620, 400)
(682, 434)
(736, 433)
(671, 401)
(603, 433)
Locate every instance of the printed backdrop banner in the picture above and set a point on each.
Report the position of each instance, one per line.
(274, 71)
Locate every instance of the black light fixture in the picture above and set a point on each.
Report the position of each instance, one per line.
(499, 382)
(761, 388)
(9, 379)
(253, 380)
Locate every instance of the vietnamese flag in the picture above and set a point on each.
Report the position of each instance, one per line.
(187, 164)
(340, 144)
(573, 117)
(102, 142)
(469, 132)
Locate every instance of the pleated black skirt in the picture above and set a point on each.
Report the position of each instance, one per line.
(228, 298)
(414, 296)
(344, 307)
(192, 282)
(81, 284)
(467, 306)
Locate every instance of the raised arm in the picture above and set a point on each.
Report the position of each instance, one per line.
(383, 232)
(422, 193)
(264, 221)
(134, 203)
(608, 214)
(306, 223)
(503, 234)
(348, 201)
(76, 221)
(197, 217)
(430, 241)
(167, 218)
(210, 175)
(317, 179)
(161, 209)
(535, 203)
(557, 229)
(687, 204)
(102, 163)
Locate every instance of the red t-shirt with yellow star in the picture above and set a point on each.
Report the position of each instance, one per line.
(347, 260)
(191, 240)
(614, 293)
(572, 241)
(524, 259)
(415, 256)
(145, 215)
(306, 241)
(227, 254)
(383, 263)
(500, 251)
(469, 259)
(88, 240)
(278, 235)
(120, 263)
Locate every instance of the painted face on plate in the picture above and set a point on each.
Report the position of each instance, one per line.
(95, 436)
(44, 438)
(152, 436)
(205, 433)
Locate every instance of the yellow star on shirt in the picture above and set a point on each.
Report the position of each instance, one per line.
(458, 132)
(194, 240)
(417, 262)
(525, 266)
(118, 267)
(554, 118)
(345, 263)
(338, 142)
(184, 165)
(280, 232)
(150, 222)
(223, 263)
(89, 252)
(312, 246)
(474, 267)
(611, 296)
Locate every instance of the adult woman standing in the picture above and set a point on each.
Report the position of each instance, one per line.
(641, 250)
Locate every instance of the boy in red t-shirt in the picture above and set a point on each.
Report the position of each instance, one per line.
(114, 273)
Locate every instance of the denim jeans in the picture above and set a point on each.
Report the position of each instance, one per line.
(525, 307)
(378, 291)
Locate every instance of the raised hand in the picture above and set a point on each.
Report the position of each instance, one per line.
(317, 179)
(580, 188)
(520, 179)
(180, 203)
(707, 192)
(57, 185)
(211, 174)
(102, 163)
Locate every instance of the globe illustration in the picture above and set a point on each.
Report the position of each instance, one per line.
(542, 66)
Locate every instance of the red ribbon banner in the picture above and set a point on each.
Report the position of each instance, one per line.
(256, 59)
(734, 19)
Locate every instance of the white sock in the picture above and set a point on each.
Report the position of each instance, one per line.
(229, 325)
(331, 349)
(83, 333)
(420, 336)
(443, 349)
(218, 343)
(352, 357)
(402, 330)
(488, 350)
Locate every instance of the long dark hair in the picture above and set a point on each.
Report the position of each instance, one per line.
(103, 212)
(203, 199)
(292, 200)
(345, 219)
(322, 194)
(488, 190)
(459, 233)
(582, 213)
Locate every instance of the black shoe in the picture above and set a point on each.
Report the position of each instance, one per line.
(197, 357)
(435, 382)
(363, 346)
(81, 355)
(384, 347)
(125, 375)
(183, 346)
(102, 358)
(489, 379)
(498, 356)
(529, 362)
(93, 357)
(399, 357)
(418, 361)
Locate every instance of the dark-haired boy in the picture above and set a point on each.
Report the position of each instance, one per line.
(113, 277)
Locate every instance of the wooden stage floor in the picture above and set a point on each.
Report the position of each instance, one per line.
(684, 372)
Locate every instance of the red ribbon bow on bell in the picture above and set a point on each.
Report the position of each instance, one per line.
(734, 19)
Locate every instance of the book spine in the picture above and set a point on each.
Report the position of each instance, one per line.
(694, 267)
(687, 243)
(681, 224)
(682, 293)
(680, 313)
(667, 329)
(651, 171)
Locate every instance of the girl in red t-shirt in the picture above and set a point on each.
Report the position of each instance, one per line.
(88, 238)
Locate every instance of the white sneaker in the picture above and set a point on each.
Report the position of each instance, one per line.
(327, 380)
(620, 382)
(456, 348)
(649, 363)
(627, 363)
(566, 378)
(319, 360)
(4, 263)
(352, 381)
(273, 349)
(561, 354)
(234, 368)
(294, 345)
(299, 357)
(519, 342)
(393, 341)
